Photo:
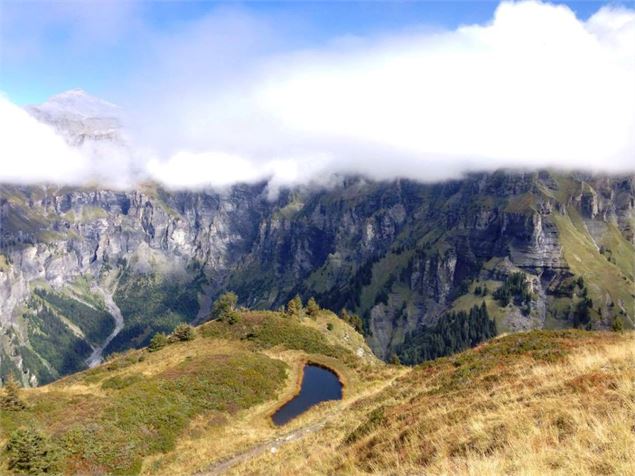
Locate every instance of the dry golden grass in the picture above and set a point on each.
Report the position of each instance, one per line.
(527, 404)
(545, 403)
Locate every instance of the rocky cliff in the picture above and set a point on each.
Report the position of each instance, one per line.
(400, 254)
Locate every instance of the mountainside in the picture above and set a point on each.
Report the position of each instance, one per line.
(535, 403)
(542, 250)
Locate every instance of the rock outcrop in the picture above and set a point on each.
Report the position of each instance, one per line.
(399, 253)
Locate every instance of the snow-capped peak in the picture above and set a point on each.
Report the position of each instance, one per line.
(80, 117)
(77, 102)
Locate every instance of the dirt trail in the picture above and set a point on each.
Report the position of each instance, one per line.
(97, 356)
(272, 445)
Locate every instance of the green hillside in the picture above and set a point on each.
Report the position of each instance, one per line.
(532, 403)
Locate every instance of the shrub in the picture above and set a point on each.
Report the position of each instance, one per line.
(182, 332)
(30, 452)
(159, 341)
(11, 399)
(352, 319)
(224, 305)
(618, 324)
(118, 382)
(232, 318)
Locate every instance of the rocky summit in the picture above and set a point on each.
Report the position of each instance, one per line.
(86, 272)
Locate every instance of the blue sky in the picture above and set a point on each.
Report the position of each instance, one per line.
(49, 47)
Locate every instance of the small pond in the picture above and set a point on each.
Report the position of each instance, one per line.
(318, 385)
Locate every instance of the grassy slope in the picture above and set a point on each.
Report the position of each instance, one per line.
(156, 411)
(584, 258)
(534, 403)
(620, 250)
(544, 402)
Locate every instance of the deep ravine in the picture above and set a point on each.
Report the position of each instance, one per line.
(96, 357)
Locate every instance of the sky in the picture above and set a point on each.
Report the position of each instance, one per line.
(217, 93)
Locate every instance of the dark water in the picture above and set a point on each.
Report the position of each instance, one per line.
(318, 385)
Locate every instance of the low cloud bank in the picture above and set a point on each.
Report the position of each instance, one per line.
(32, 152)
(535, 87)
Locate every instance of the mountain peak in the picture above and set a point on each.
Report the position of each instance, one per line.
(78, 117)
(78, 102)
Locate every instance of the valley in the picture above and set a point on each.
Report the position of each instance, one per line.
(290, 238)
(403, 256)
(96, 357)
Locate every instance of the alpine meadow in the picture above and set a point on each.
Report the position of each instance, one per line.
(323, 238)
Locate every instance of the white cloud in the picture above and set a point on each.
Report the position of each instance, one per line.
(32, 152)
(192, 170)
(219, 102)
(536, 87)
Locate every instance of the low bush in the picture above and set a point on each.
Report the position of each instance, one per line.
(182, 333)
(158, 341)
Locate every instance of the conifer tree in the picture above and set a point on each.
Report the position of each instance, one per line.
(30, 452)
(312, 308)
(456, 331)
(294, 307)
(11, 400)
(224, 305)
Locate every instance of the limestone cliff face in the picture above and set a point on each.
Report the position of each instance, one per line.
(400, 254)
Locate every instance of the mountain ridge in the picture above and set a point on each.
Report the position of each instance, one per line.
(400, 254)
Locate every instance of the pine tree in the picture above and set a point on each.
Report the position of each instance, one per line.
(312, 308)
(352, 319)
(224, 305)
(357, 323)
(30, 452)
(456, 331)
(11, 400)
(294, 307)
